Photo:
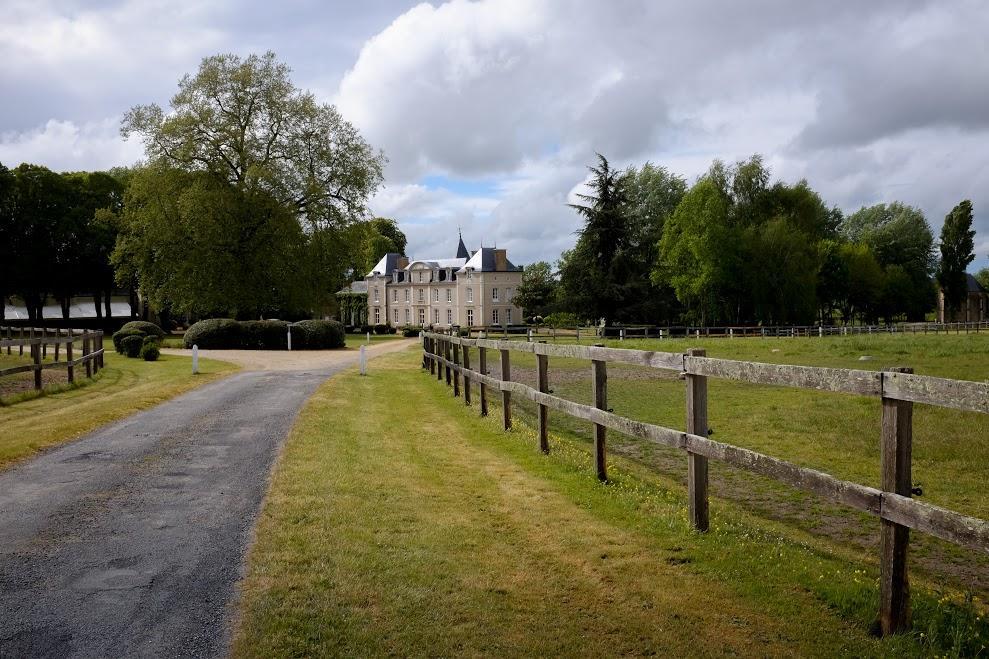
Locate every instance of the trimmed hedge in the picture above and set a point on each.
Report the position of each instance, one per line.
(150, 329)
(121, 334)
(131, 345)
(150, 350)
(408, 331)
(317, 335)
(226, 333)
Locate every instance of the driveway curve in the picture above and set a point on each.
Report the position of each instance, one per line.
(130, 541)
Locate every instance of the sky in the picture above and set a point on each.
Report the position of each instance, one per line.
(489, 112)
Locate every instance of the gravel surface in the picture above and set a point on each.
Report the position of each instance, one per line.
(130, 541)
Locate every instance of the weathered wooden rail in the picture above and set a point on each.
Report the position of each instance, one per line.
(38, 340)
(898, 390)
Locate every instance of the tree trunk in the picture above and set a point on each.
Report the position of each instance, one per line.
(98, 304)
(109, 310)
(66, 304)
(132, 300)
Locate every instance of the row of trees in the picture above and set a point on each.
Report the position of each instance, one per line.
(53, 242)
(737, 248)
(251, 203)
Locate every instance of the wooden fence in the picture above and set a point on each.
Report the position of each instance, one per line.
(450, 357)
(38, 341)
(537, 332)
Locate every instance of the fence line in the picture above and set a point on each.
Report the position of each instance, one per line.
(37, 340)
(537, 332)
(898, 390)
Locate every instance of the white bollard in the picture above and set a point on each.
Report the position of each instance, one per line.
(660, 333)
(731, 333)
(820, 330)
(369, 338)
(697, 334)
(290, 338)
(195, 359)
(530, 335)
(363, 360)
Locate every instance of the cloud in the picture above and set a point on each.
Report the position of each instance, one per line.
(66, 146)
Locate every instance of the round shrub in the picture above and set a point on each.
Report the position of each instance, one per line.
(317, 335)
(214, 333)
(131, 345)
(380, 328)
(149, 349)
(150, 329)
(364, 329)
(408, 331)
(122, 333)
(265, 335)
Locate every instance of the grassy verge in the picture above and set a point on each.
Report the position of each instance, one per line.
(399, 522)
(123, 387)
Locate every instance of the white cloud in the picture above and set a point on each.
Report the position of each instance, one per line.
(66, 146)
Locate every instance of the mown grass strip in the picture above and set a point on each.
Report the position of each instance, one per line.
(399, 522)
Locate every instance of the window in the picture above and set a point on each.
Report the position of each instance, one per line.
(449, 316)
(422, 295)
(449, 295)
(377, 316)
(470, 273)
(436, 295)
(508, 295)
(436, 316)
(470, 317)
(494, 294)
(494, 316)
(508, 316)
(406, 295)
(407, 317)
(394, 295)
(394, 315)
(375, 293)
(470, 294)
(422, 317)
(420, 276)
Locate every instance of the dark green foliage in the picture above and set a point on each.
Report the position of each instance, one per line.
(317, 335)
(265, 335)
(562, 319)
(410, 332)
(122, 334)
(957, 251)
(131, 345)
(214, 333)
(364, 329)
(151, 348)
(380, 328)
(144, 326)
(537, 290)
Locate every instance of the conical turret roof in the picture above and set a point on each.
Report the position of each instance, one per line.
(462, 252)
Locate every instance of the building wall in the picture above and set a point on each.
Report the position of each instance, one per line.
(444, 303)
(973, 310)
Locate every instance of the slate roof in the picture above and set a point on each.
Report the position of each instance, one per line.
(387, 264)
(483, 260)
(973, 284)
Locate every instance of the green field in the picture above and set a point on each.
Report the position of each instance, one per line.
(123, 387)
(399, 522)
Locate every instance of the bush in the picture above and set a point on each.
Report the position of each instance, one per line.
(380, 328)
(149, 329)
(131, 345)
(150, 350)
(317, 335)
(408, 331)
(561, 319)
(214, 333)
(265, 335)
(122, 333)
(392, 329)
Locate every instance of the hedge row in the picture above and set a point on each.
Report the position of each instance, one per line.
(139, 338)
(226, 333)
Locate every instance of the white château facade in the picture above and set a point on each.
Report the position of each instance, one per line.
(470, 289)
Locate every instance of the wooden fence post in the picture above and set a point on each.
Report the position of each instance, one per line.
(70, 368)
(482, 366)
(432, 356)
(542, 378)
(456, 373)
(506, 396)
(466, 363)
(448, 355)
(599, 371)
(440, 343)
(697, 464)
(894, 539)
(44, 342)
(85, 355)
(36, 358)
(58, 335)
(100, 358)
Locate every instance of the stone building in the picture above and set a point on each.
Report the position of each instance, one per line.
(470, 289)
(974, 308)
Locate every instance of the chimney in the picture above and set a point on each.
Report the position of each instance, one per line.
(501, 260)
(403, 262)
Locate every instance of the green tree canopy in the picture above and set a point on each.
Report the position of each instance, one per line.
(957, 251)
(536, 292)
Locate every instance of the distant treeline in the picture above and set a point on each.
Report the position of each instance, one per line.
(56, 236)
(738, 248)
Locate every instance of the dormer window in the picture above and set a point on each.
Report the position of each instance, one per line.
(470, 273)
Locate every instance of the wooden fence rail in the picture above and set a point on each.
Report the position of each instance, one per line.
(37, 341)
(898, 390)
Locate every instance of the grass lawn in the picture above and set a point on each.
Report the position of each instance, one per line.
(123, 387)
(400, 522)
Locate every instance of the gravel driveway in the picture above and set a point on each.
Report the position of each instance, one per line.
(130, 541)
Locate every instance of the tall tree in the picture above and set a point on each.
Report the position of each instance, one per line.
(957, 251)
(537, 290)
(8, 236)
(256, 151)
